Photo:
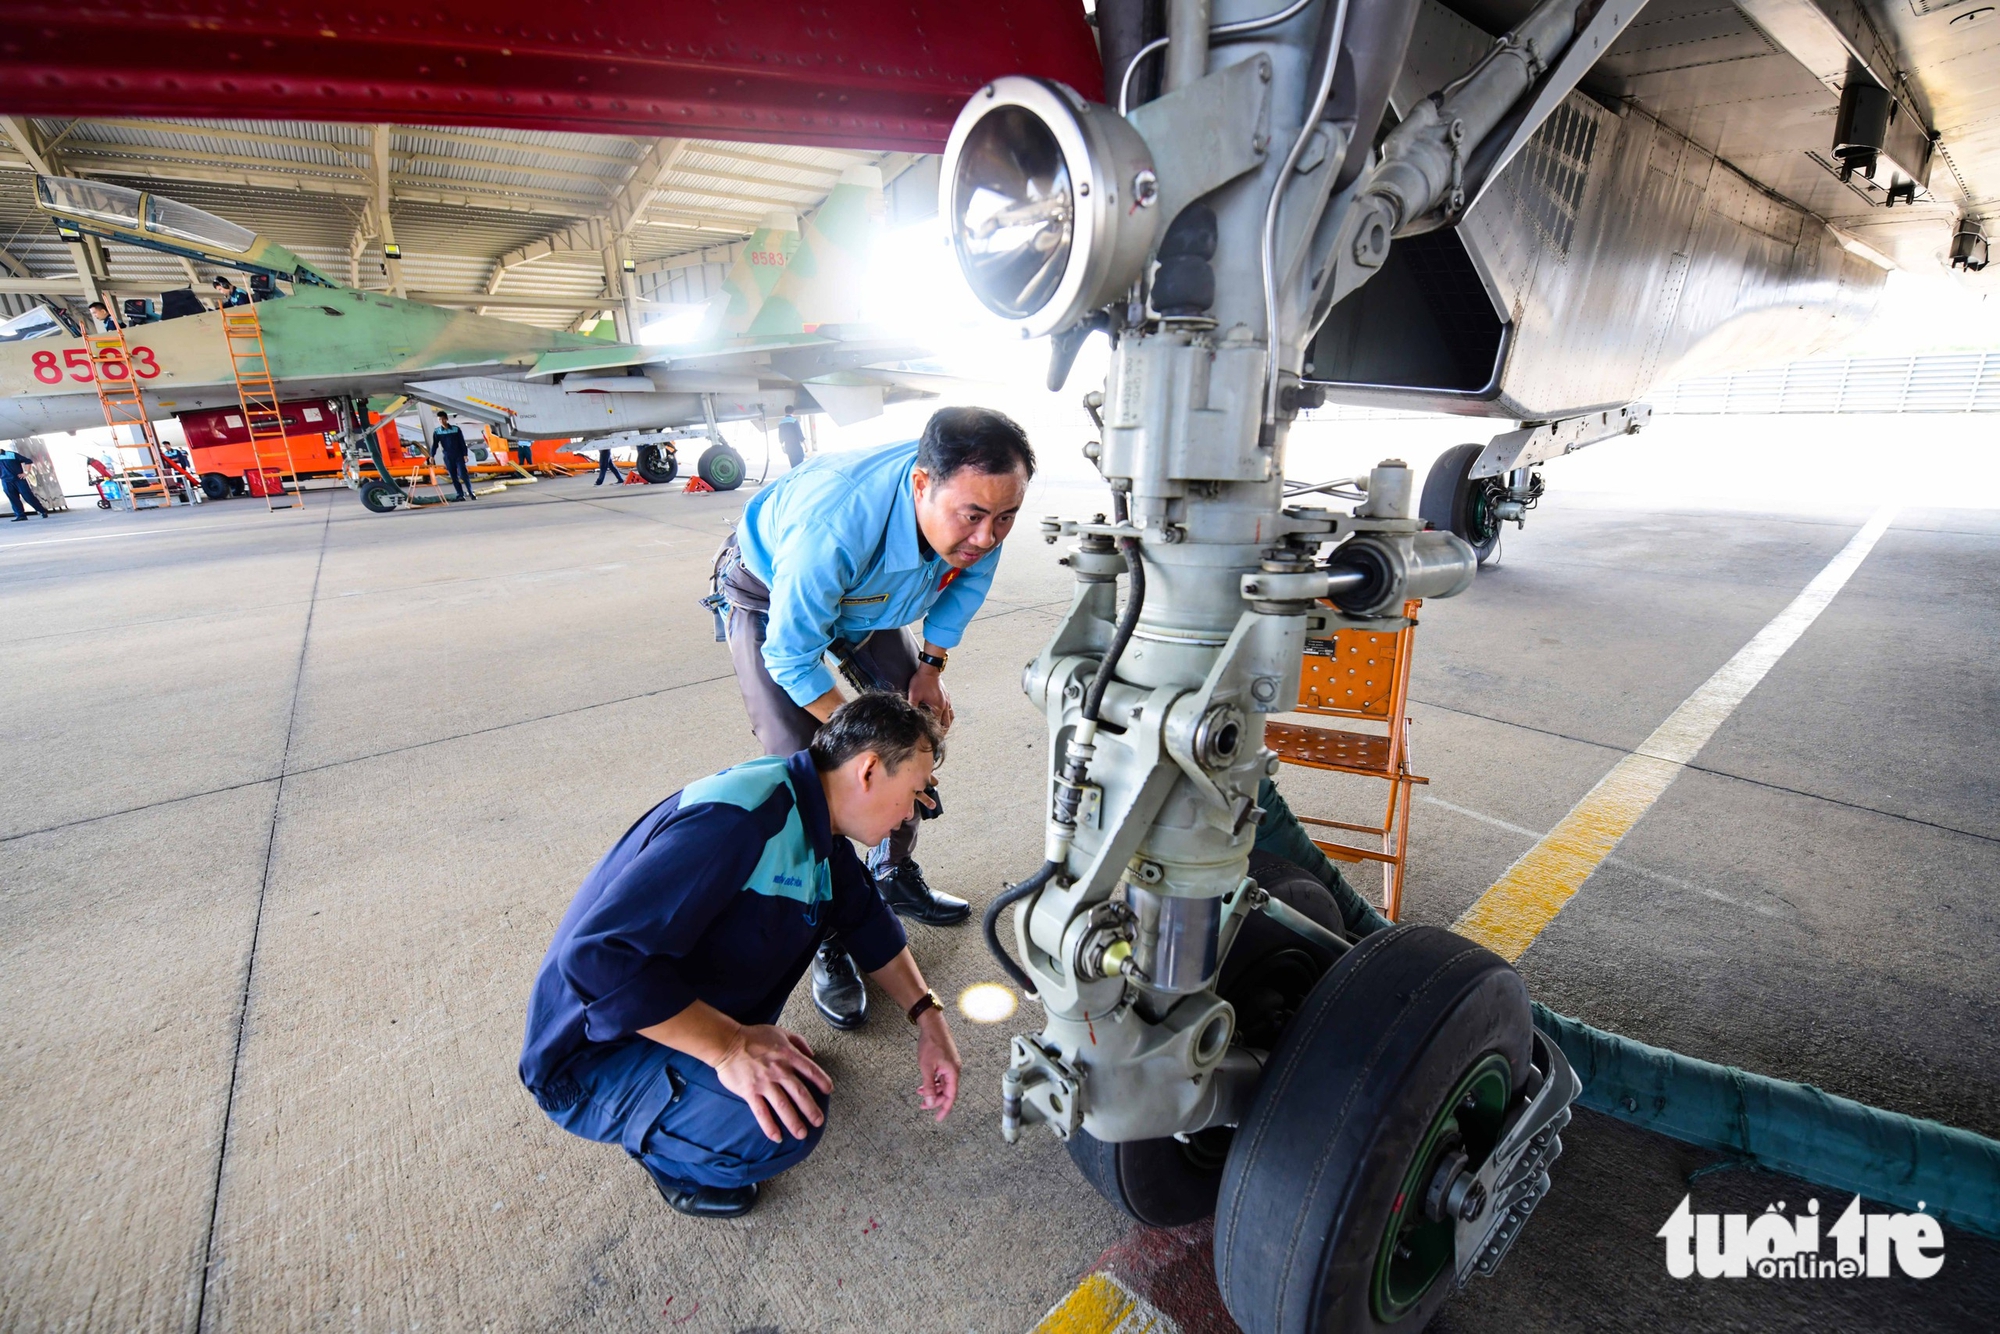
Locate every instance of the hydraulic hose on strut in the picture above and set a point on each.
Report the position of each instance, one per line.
(1069, 790)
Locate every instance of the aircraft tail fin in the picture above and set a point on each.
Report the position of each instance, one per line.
(823, 282)
(756, 271)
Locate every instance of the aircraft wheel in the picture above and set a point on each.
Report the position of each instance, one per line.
(721, 467)
(1410, 1051)
(1160, 1182)
(1454, 502)
(1270, 971)
(657, 465)
(379, 496)
(215, 486)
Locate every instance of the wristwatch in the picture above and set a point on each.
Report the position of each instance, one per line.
(936, 660)
(927, 1001)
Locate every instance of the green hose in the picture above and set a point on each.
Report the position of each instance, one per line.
(1280, 834)
(1791, 1128)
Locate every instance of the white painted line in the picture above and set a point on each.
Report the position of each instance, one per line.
(1623, 863)
(1508, 917)
(137, 532)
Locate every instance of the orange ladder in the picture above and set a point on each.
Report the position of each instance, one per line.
(1362, 675)
(258, 393)
(142, 466)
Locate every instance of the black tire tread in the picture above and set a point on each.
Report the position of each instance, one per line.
(1378, 991)
(705, 467)
(1445, 493)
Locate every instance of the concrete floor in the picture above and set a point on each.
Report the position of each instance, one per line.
(294, 801)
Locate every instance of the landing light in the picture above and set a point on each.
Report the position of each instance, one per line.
(987, 1003)
(1049, 201)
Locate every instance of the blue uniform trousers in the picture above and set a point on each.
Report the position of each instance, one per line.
(454, 466)
(668, 1110)
(18, 490)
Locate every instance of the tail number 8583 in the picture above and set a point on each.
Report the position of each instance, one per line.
(80, 367)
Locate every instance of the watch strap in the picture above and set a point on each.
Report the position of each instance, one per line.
(933, 659)
(927, 1001)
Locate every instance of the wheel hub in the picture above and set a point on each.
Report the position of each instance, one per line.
(1419, 1245)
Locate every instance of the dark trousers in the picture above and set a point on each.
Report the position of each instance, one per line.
(18, 490)
(670, 1112)
(461, 480)
(605, 465)
(886, 660)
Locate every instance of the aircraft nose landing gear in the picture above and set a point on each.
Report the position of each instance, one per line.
(1399, 1139)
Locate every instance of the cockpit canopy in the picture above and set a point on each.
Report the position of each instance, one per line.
(158, 223)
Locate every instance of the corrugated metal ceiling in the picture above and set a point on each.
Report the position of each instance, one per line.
(460, 199)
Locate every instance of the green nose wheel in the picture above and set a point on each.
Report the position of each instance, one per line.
(1339, 1205)
(721, 467)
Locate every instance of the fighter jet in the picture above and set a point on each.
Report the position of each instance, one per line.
(785, 336)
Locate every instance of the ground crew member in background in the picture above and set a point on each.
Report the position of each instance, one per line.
(792, 439)
(838, 556)
(100, 315)
(14, 467)
(450, 441)
(653, 1022)
(604, 465)
(228, 294)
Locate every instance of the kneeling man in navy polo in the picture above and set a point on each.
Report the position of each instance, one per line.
(653, 1023)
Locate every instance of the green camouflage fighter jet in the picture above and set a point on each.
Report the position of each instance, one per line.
(784, 336)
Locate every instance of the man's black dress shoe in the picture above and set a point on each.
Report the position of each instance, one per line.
(838, 994)
(706, 1201)
(902, 887)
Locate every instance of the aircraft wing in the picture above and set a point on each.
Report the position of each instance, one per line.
(735, 353)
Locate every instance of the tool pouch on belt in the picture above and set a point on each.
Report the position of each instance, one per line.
(717, 600)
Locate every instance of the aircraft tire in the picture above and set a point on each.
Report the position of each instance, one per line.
(1454, 503)
(721, 467)
(1414, 1045)
(658, 466)
(379, 497)
(1159, 1182)
(215, 486)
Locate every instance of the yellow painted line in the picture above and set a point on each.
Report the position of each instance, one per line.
(1102, 1305)
(1508, 917)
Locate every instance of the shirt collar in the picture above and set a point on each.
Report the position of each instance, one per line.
(900, 549)
(811, 798)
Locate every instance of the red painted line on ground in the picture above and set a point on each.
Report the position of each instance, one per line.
(1174, 1270)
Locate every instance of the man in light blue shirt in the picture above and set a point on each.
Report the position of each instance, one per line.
(834, 559)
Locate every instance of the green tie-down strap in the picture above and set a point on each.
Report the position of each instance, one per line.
(1280, 834)
(1791, 1128)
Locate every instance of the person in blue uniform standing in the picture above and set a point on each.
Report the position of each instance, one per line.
(835, 558)
(14, 467)
(653, 1020)
(450, 441)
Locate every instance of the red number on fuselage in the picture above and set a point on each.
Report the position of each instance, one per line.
(140, 362)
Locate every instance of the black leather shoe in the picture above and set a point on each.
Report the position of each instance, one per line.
(902, 887)
(707, 1201)
(838, 994)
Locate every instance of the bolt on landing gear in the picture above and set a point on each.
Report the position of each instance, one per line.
(1369, 1121)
